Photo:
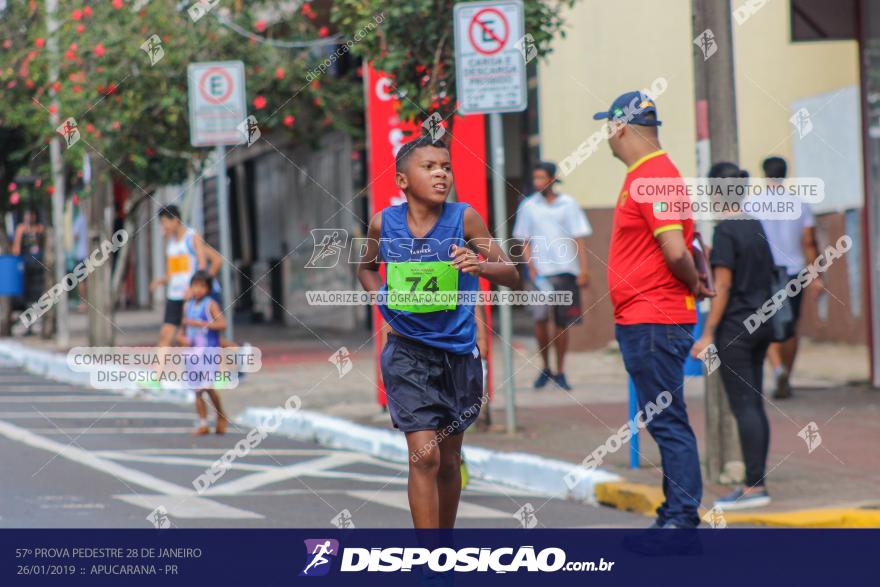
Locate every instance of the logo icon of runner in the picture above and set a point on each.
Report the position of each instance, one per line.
(70, 131)
(317, 553)
(250, 129)
(434, 126)
(327, 247)
(154, 49)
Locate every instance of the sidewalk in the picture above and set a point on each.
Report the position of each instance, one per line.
(830, 390)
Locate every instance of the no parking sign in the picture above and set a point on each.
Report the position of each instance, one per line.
(490, 69)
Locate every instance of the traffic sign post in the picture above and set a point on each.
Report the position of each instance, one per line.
(490, 73)
(217, 103)
(217, 109)
(490, 70)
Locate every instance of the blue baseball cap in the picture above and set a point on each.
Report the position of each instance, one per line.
(631, 108)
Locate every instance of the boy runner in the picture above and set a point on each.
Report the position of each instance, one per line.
(200, 328)
(430, 364)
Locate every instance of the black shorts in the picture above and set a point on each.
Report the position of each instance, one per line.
(173, 312)
(431, 389)
(795, 302)
(563, 315)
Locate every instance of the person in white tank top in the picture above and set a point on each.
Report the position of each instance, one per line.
(181, 260)
(185, 254)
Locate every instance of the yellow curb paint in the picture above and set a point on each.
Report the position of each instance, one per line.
(632, 497)
(645, 499)
(818, 518)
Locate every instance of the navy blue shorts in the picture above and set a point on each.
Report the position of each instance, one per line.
(431, 389)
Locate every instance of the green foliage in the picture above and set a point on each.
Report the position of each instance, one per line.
(415, 43)
(132, 116)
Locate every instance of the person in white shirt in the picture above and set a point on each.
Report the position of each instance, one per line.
(184, 255)
(793, 244)
(554, 230)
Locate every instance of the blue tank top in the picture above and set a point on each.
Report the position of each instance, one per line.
(450, 330)
(201, 337)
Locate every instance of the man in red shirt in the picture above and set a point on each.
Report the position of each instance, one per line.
(654, 286)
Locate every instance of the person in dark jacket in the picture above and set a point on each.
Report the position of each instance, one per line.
(742, 267)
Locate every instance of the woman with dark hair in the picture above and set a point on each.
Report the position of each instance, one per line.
(28, 243)
(742, 267)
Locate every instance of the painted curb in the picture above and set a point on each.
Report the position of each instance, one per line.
(818, 518)
(515, 469)
(645, 499)
(53, 365)
(632, 497)
(39, 362)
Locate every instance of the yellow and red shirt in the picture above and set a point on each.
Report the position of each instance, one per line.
(643, 289)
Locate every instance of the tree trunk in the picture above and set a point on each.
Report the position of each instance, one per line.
(122, 260)
(47, 321)
(98, 292)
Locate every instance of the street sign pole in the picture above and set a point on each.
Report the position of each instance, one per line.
(218, 117)
(225, 241)
(714, 84)
(490, 73)
(499, 203)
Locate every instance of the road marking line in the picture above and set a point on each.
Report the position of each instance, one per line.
(54, 399)
(84, 457)
(28, 379)
(182, 430)
(282, 473)
(364, 477)
(169, 460)
(177, 415)
(489, 488)
(179, 506)
(219, 451)
(167, 490)
(399, 500)
(38, 388)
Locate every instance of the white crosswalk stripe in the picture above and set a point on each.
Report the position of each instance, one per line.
(68, 399)
(399, 500)
(181, 430)
(105, 415)
(261, 486)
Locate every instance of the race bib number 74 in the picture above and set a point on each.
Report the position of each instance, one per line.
(422, 286)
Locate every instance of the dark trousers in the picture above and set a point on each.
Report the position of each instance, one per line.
(654, 356)
(742, 371)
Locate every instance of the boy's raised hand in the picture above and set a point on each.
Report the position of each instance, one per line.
(466, 261)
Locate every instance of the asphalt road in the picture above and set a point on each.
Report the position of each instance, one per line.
(80, 458)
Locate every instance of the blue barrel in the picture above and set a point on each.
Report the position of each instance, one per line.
(11, 275)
